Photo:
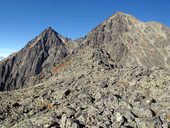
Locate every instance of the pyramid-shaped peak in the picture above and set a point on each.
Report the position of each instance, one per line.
(49, 35)
(49, 30)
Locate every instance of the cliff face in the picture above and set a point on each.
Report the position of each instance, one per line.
(39, 55)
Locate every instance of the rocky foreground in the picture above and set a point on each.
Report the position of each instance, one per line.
(87, 94)
(116, 77)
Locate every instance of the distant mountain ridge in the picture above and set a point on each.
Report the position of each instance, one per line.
(1, 57)
(122, 40)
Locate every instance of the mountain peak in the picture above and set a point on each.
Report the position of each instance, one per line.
(49, 27)
(48, 30)
(120, 13)
(49, 35)
(120, 16)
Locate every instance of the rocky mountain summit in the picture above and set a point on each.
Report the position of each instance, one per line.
(24, 67)
(128, 40)
(116, 77)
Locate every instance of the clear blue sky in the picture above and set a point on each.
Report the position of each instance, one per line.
(22, 20)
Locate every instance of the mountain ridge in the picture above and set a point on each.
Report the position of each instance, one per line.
(1, 58)
(121, 36)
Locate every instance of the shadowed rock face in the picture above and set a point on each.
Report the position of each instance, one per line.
(36, 57)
